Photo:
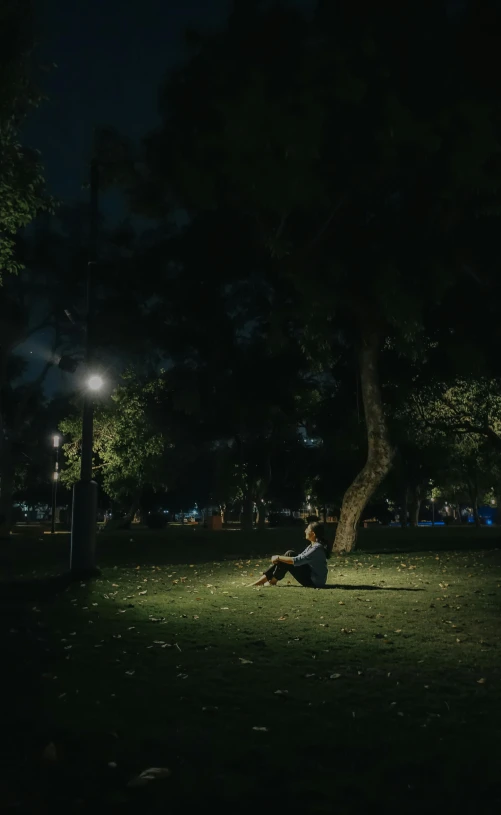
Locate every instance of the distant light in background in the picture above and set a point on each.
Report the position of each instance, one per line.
(55, 441)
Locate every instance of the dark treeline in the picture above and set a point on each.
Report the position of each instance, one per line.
(314, 307)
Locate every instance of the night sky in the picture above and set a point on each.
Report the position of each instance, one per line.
(111, 56)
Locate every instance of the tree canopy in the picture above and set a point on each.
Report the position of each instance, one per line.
(350, 160)
(22, 185)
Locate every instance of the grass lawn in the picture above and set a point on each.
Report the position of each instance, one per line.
(383, 690)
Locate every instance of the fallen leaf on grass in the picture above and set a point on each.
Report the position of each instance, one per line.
(340, 603)
(130, 673)
(335, 676)
(262, 729)
(153, 774)
(245, 661)
(143, 592)
(481, 681)
(281, 619)
(280, 692)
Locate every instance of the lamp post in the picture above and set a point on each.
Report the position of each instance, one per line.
(433, 512)
(84, 517)
(55, 478)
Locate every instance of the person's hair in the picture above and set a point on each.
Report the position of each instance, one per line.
(319, 531)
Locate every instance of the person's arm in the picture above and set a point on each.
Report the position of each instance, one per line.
(282, 559)
(305, 557)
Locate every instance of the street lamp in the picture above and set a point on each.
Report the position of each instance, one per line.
(55, 444)
(95, 382)
(83, 525)
(433, 511)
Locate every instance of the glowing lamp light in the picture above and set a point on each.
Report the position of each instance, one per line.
(95, 382)
(56, 475)
(55, 441)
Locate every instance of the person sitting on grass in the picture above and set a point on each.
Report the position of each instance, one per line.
(309, 568)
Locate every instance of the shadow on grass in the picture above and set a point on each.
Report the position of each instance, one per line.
(45, 588)
(348, 587)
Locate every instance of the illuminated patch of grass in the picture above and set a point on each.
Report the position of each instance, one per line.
(388, 681)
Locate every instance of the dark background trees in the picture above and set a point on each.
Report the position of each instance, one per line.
(350, 165)
(316, 288)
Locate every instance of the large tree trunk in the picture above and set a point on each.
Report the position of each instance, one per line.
(473, 491)
(415, 505)
(261, 518)
(498, 510)
(404, 515)
(133, 508)
(125, 521)
(247, 516)
(261, 489)
(379, 450)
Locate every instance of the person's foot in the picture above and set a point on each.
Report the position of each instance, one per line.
(261, 582)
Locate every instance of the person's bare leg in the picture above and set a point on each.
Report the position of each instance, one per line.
(263, 581)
